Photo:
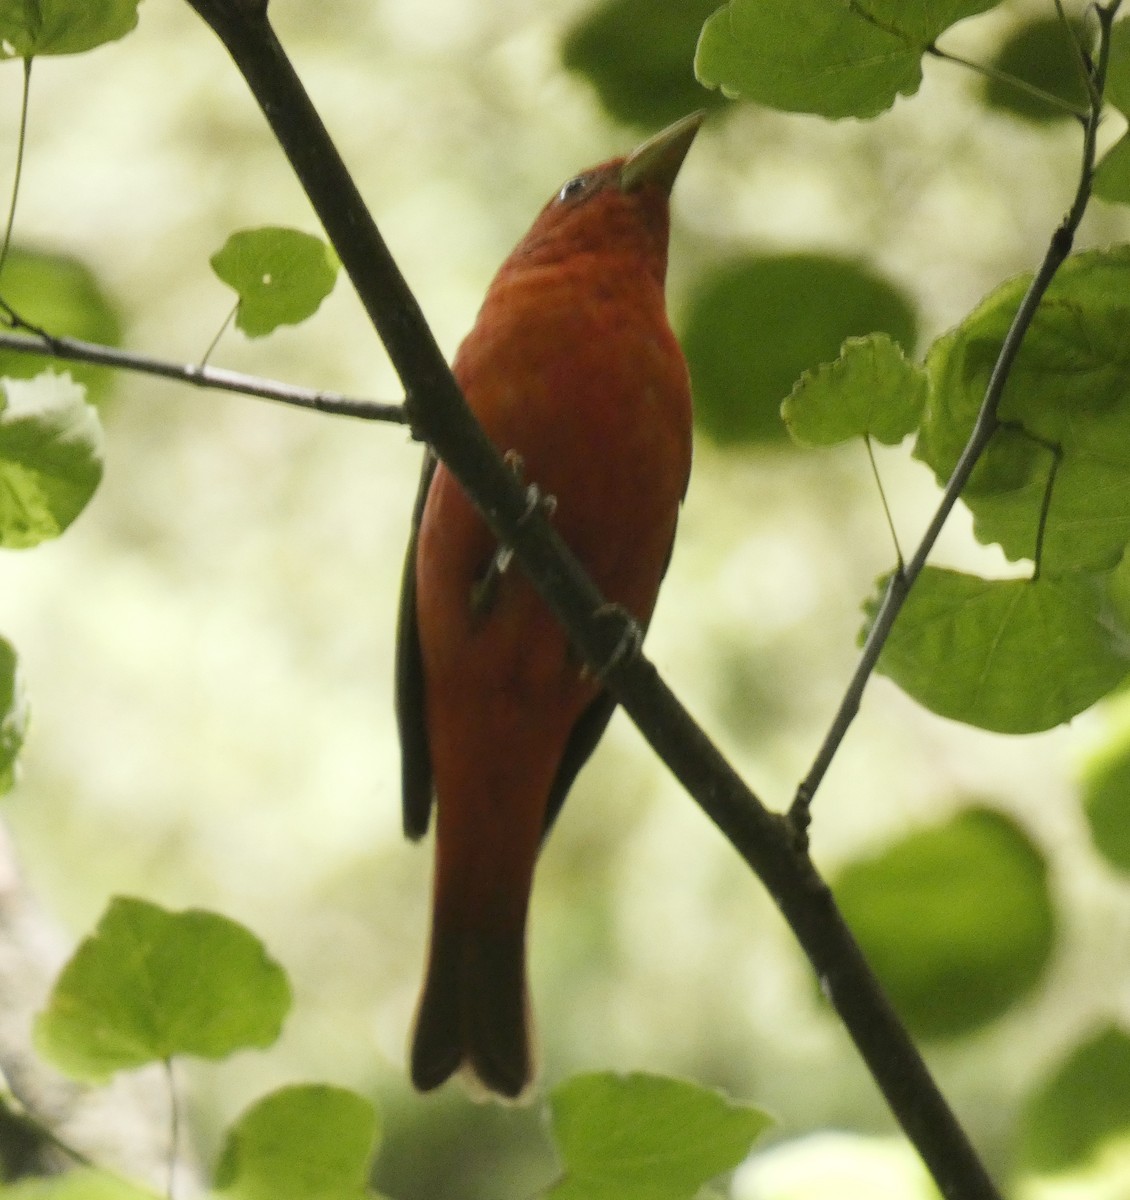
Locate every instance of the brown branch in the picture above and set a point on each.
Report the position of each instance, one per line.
(437, 413)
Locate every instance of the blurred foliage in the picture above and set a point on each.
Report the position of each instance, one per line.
(13, 714)
(303, 1142)
(1084, 1102)
(756, 323)
(62, 295)
(957, 921)
(637, 54)
(1106, 801)
(1041, 54)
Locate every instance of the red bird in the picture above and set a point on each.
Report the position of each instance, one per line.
(573, 371)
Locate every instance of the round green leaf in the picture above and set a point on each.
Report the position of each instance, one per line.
(50, 457)
(957, 921)
(871, 390)
(305, 1142)
(645, 1137)
(280, 275)
(34, 27)
(756, 325)
(1069, 391)
(149, 984)
(1043, 54)
(837, 60)
(13, 715)
(637, 55)
(61, 295)
(1084, 1102)
(1010, 655)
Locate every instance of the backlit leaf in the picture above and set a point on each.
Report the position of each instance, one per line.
(149, 984)
(645, 1137)
(1010, 655)
(304, 1142)
(50, 457)
(824, 56)
(280, 275)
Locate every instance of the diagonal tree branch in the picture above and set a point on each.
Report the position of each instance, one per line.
(604, 637)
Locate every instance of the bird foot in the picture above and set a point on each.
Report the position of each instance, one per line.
(485, 589)
(628, 643)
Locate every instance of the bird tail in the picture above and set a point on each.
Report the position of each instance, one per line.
(474, 1011)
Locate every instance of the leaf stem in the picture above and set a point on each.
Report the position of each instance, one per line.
(1013, 81)
(21, 142)
(983, 429)
(213, 378)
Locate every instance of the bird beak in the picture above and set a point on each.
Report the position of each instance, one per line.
(658, 160)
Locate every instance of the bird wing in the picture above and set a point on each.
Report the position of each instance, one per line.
(415, 756)
(582, 741)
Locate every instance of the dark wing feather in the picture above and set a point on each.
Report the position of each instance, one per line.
(415, 756)
(582, 741)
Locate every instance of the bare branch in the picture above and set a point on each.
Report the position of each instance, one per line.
(74, 350)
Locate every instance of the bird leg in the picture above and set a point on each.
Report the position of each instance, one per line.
(485, 589)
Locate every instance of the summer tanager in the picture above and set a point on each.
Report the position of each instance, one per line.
(573, 371)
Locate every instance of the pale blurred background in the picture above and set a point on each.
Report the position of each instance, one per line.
(209, 650)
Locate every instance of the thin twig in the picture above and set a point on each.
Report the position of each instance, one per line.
(985, 426)
(74, 350)
(21, 144)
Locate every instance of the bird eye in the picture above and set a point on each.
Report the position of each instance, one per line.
(573, 188)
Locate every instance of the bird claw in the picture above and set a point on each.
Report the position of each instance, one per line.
(628, 643)
(485, 589)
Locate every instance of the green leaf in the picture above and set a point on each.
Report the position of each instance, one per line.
(1069, 389)
(50, 457)
(644, 1137)
(756, 325)
(824, 56)
(1112, 176)
(34, 27)
(1106, 801)
(280, 275)
(13, 715)
(1040, 53)
(957, 921)
(61, 295)
(304, 1142)
(870, 390)
(642, 78)
(149, 984)
(81, 1184)
(1010, 655)
(1084, 1102)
